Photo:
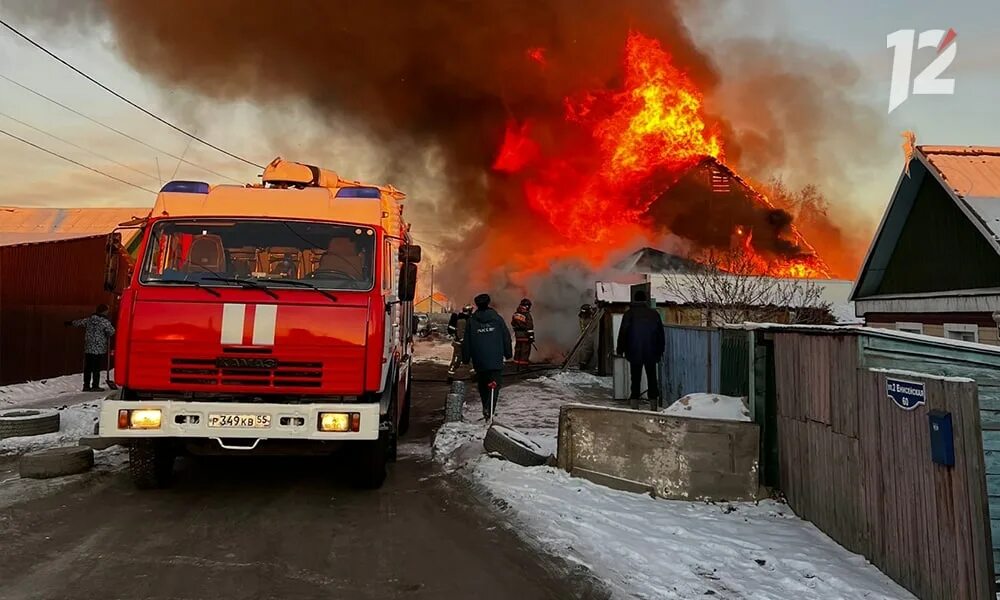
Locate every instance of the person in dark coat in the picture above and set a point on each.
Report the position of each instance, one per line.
(641, 340)
(487, 345)
(97, 332)
(524, 333)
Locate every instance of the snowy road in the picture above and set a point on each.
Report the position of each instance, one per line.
(252, 528)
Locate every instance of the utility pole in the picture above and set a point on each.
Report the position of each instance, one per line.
(432, 289)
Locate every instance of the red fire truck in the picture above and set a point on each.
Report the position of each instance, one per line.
(270, 318)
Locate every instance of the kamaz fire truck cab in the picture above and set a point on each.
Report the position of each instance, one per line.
(271, 318)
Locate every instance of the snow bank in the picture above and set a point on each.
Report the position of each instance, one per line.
(710, 406)
(20, 393)
(574, 378)
(646, 548)
(74, 422)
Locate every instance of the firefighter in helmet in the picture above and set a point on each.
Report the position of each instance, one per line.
(524, 332)
(456, 329)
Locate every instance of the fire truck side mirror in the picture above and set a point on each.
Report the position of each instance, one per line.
(408, 283)
(409, 254)
(111, 262)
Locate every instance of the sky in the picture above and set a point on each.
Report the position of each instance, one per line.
(854, 29)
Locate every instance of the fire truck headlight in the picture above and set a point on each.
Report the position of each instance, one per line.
(339, 422)
(144, 418)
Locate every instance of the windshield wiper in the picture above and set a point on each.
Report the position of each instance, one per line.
(247, 283)
(187, 282)
(305, 284)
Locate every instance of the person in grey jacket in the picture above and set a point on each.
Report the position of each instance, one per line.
(97, 333)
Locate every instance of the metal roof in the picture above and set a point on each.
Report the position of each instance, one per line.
(971, 177)
(19, 225)
(972, 174)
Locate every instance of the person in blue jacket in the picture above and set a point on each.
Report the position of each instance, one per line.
(487, 344)
(97, 332)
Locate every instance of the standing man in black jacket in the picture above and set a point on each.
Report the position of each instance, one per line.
(642, 342)
(487, 344)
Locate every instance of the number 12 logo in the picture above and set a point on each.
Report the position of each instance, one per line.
(926, 82)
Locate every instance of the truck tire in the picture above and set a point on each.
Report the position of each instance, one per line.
(56, 462)
(370, 461)
(404, 419)
(150, 463)
(514, 446)
(19, 422)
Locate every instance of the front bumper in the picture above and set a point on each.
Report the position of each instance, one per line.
(190, 420)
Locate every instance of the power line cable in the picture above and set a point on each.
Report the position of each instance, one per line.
(79, 164)
(124, 99)
(77, 146)
(118, 131)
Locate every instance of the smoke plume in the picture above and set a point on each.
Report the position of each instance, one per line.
(444, 79)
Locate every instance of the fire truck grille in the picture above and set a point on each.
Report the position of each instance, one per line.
(256, 373)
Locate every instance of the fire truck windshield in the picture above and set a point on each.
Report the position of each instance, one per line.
(325, 255)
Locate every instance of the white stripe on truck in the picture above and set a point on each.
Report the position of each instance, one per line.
(232, 323)
(263, 324)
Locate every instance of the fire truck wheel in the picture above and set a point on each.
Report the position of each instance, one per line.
(370, 462)
(150, 463)
(404, 419)
(23, 422)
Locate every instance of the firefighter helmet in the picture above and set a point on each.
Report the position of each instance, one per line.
(467, 309)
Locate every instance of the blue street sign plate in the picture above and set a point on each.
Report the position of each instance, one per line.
(905, 394)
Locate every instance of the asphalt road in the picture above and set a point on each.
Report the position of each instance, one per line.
(253, 528)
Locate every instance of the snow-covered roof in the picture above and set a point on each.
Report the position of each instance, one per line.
(664, 290)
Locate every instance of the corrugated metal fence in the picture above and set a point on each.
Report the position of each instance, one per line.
(41, 286)
(691, 363)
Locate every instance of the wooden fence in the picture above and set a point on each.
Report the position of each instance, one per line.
(859, 467)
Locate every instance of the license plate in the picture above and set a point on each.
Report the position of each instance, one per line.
(240, 421)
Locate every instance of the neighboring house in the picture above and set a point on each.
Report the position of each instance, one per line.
(934, 265)
(22, 225)
(439, 303)
(677, 305)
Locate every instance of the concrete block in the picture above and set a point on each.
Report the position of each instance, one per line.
(672, 457)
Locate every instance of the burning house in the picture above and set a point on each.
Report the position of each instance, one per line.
(550, 139)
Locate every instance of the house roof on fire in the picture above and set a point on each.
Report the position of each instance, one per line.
(938, 246)
(651, 260)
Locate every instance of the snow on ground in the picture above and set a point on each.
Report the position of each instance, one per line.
(433, 351)
(74, 422)
(531, 407)
(647, 548)
(710, 406)
(644, 547)
(21, 393)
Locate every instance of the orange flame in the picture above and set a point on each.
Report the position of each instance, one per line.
(641, 138)
(618, 151)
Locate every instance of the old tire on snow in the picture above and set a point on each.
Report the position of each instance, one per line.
(514, 446)
(150, 463)
(17, 422)
(56, 462)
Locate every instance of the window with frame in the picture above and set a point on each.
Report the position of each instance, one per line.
(965, 332)
(910, 327)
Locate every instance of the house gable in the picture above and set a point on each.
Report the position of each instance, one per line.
(930, 241)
